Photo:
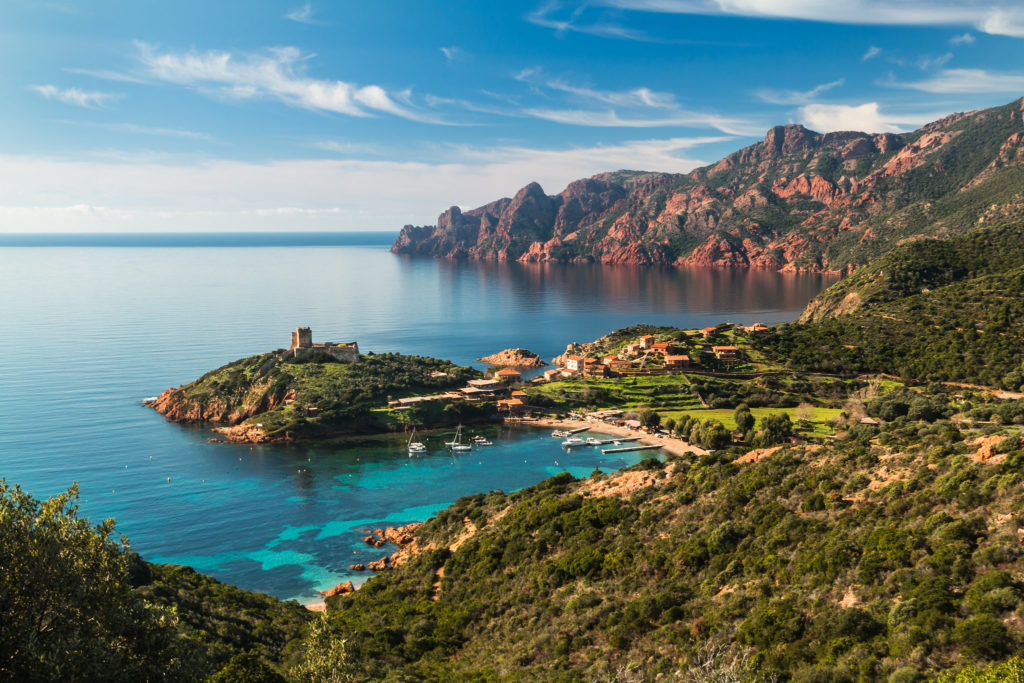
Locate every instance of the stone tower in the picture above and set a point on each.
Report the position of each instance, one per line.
(302, 338)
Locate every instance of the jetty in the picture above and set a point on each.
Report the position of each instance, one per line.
(626, 449)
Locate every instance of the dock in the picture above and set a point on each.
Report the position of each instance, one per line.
(626, 449)
(578, 430)
(605, 442)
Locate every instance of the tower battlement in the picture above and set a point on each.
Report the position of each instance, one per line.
(302, 344)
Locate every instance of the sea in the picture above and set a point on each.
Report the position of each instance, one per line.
(92, 324)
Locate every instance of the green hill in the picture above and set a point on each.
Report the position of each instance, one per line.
(268, 396)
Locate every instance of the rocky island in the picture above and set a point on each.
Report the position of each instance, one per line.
(797, 200)
(514, 358)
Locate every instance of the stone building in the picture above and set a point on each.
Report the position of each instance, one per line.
(302, 344)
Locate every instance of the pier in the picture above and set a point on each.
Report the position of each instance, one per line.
(626, 449)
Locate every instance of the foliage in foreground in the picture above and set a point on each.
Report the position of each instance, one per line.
(76, 604)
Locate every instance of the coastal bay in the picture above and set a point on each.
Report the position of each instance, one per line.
(106, 327)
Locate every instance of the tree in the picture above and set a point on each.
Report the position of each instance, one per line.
(246, 667)
(326, 658)
(68, 610)
(649, 418)
(743, 418)
(775, 429)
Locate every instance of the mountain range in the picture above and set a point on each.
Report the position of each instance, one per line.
(797, 200)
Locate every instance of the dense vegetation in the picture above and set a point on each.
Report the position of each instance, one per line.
(77, 604)
(892, 551)
(315, 394)
(948, 311)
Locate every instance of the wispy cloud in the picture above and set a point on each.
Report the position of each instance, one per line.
(928, 62)
(546, 16)
(303, 15)
(796, 96)
(279, 74)
(107, 75)
(90, 99)
(639, 107)
(137, 129)
(988, 17)
(871, 53)
(867, 117)
(962, 39)
(966, 81)
(452, 52)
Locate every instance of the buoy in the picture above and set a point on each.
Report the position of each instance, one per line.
(168, 480)
(126, 466)
(151, 457)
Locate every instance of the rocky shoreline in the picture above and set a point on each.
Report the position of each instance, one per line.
(514, 358)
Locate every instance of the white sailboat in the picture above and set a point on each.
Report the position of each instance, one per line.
(415, 447)
(573, 442)
(457, 446)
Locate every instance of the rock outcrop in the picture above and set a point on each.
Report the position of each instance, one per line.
(341, 589)
(514, 358)
(796, 200)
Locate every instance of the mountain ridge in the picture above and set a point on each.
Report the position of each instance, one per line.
(795, 201)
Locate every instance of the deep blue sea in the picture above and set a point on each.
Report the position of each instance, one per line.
(90, 325)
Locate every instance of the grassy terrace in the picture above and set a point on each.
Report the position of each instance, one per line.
(821, 419)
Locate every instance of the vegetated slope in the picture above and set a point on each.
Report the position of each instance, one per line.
(308, 396)
(221, 620)
(883, 551)
(916, 267)
(796, 200)
(907, 321)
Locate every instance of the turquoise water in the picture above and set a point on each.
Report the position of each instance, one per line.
(88, 331)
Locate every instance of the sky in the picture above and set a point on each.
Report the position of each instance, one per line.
(144, 116)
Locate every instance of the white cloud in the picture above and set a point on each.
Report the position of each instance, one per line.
(610, 119)
(966, 81)
(929, 62)
(452, 52)
(866, 117)
(303, 15)
(796, 96)
(872, 52)
(279, 74)
(137, 129)
(963, 39)
(605, 29)
(638, 107)
(80, 98)
(56, 195)
(985, 15)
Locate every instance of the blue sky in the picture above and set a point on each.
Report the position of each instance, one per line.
(157, 116)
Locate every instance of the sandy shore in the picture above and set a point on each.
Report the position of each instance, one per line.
(670, 444)
(319, 606)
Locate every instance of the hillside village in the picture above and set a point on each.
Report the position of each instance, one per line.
(720, 350)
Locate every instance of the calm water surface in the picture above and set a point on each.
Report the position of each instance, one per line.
(87, 331)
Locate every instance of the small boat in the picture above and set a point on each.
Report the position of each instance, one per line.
(591, 441)
(482, 441)
(573, 441)
(559, 434)
(415, 446)
(457, 446)
(149, 400)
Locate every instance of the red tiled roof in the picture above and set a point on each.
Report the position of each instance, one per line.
(508, 372)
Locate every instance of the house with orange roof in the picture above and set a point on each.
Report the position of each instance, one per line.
(724, 352)
(646, 341)
(509, 375)
(574, 363)
(680, 362)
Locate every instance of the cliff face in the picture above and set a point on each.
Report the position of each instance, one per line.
(797, 200)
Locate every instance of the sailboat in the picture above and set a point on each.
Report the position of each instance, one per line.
(457, 446)
(415, 446)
